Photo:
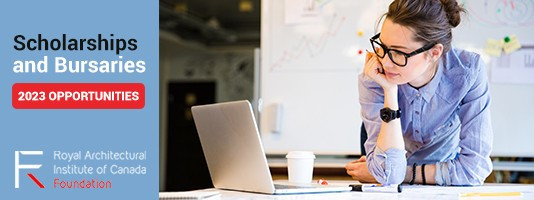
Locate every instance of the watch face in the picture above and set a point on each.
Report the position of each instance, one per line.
(385, 115)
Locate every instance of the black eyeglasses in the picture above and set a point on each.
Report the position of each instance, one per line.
(398, 57)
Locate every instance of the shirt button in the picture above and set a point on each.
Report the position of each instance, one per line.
(418, 94)
(416, 131)
(417, 112)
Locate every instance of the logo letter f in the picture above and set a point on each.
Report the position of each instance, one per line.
(18, 166)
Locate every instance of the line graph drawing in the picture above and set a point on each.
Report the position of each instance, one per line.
(309, 46)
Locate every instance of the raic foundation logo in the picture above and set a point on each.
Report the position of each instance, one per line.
(19, 166)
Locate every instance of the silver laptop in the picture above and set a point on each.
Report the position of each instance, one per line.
(234, 152)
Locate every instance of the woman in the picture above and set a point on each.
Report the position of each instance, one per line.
(425, 105)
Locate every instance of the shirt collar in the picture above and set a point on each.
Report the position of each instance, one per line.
(427, 91)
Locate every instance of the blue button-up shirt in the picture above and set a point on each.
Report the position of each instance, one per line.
(446, 122)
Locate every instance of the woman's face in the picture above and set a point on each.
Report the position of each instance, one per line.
(395, 36)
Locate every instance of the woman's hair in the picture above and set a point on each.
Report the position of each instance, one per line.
(430, 20)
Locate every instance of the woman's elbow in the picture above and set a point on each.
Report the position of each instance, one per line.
(392, 174)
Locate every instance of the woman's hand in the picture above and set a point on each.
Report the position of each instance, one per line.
(374, 70)
(358, 170)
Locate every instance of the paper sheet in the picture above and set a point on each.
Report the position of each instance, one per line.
(302, 11)
(512, 45)
(493, 47)
(517, 67)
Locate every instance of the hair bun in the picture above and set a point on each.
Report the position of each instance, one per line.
(452, 9)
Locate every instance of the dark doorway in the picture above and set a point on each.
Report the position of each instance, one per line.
(186, 166)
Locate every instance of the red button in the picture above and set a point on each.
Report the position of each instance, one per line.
(78, 96)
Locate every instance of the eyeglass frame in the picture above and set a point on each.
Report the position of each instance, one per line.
(406, 55)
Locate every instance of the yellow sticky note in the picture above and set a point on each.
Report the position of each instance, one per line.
(493, 47)
(512, 44)
(491, 194)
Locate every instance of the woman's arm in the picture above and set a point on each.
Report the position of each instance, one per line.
(430, 173)
(386, 155)
(390, 135)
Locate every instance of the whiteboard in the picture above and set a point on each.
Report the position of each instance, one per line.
(313, 50)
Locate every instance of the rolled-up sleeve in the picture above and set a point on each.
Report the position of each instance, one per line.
(389, 166)
(472, 164)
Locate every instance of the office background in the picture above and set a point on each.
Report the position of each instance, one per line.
(207, 56)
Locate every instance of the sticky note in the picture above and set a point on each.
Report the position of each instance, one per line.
(512, 44)
(493, 47)
(491, 194)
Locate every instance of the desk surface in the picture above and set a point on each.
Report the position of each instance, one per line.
(409, 192)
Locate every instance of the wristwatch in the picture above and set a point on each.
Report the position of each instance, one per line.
(387, 114)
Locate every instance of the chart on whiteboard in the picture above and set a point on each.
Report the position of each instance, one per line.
(320, 35)
(502, 12)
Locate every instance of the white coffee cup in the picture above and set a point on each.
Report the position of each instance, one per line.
(300, 166)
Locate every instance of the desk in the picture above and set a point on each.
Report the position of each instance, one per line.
(409, 192)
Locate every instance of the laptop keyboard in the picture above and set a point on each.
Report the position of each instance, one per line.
(279, 186)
